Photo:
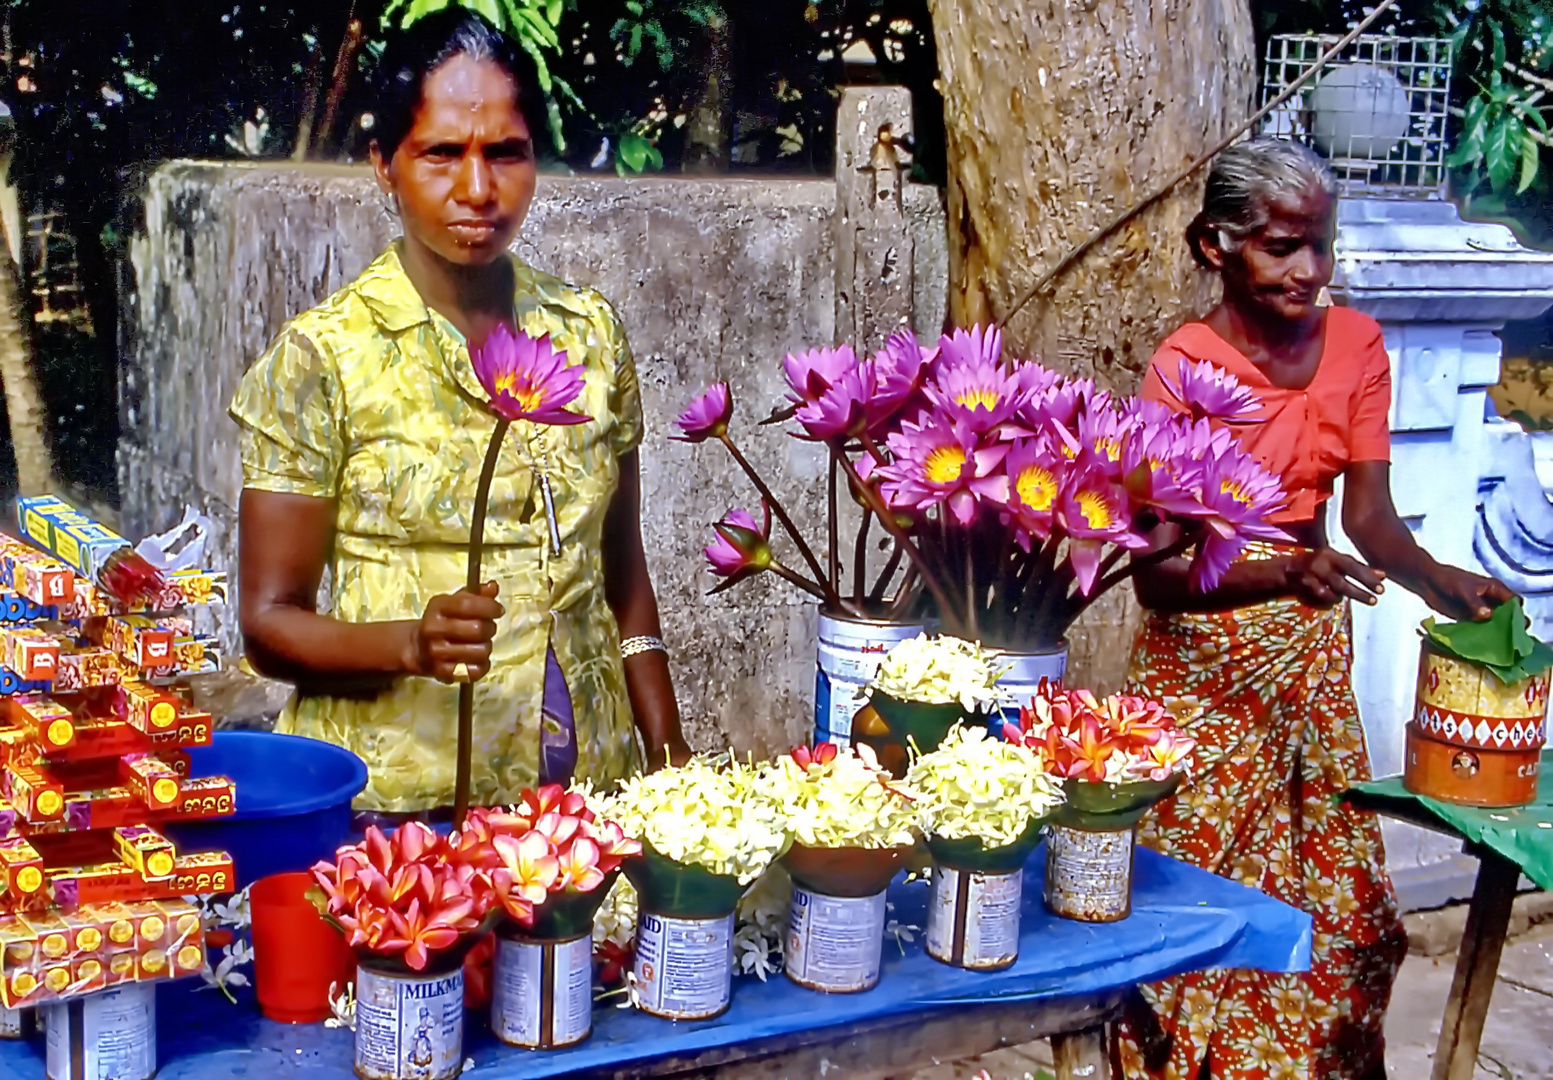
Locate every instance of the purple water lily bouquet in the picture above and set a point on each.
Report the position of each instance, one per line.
(1011, 497)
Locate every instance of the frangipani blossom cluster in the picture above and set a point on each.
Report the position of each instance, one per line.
(714, 812)
(1013, 493)
(415, 893)
(1113, 740)
(975, 786)
(841, 797)
(940, 671)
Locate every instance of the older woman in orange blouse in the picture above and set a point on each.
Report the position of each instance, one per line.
(1259, 669)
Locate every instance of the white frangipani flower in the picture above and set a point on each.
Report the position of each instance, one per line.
(975, 786)
(940, 671)
(843, 798)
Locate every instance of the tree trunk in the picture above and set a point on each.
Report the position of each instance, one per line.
(23, 402)
(710, 126)
(1060, 113)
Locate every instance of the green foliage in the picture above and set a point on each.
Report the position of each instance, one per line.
(532, 23)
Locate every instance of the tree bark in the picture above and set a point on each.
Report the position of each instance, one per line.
(1059, 113)
(23, 401)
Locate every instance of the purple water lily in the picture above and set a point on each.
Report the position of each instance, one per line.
(1034, 468)
(707, 416)
(896, 373)
(840, 412)
(1093, 509)
(1153, 458)
(939, 460)
(527, 378)
(739, 547)
(810, 374)
(981, 346)
(1237, 496)
(981, 394)
(1208, 392)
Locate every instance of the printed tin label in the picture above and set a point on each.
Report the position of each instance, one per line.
(1089, 874)
(409, 1028)
(543, 992)
(833, 942)
(684, 967)
(109, 1035)
(973, 918)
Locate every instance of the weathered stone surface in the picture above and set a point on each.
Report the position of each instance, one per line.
(715, 279)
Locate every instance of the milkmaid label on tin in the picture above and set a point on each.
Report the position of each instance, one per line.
(517, 1002)
(117, 1031)
(833, 942)
(990, 916)
(684, 967)
(409, 1028)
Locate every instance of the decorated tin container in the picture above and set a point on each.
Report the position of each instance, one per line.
(409, 1027)
(109, 1035)
(849, 654)
(1089, 873)
(1474, 740)
(834, 942)
(973, 917)
(542, 992)
(15, 1023)
(684, 967)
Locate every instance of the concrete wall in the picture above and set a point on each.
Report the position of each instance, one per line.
(715, 279)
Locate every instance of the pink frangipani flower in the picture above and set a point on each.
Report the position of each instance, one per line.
(707, 416)
(527, 378)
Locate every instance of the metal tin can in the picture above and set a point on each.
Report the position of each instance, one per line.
(1021, 680)
(850, 652)
(16, 1023)
(683, 967)
(973, 918)
(542, 991)
(409, 1027)
(109, 1035)
(1089, 873)
(834, 942)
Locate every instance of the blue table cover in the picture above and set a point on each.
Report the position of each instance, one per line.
(1183, 919)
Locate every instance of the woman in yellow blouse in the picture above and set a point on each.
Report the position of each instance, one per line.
(364, 428)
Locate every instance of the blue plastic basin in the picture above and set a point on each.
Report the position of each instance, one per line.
(293, 801)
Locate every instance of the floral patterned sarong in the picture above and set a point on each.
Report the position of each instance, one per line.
(1267, 693)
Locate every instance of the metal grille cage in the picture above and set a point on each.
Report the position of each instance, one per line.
(1377, 112)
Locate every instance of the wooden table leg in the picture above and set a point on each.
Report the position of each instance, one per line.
(1083, 1055)
(1477, 965)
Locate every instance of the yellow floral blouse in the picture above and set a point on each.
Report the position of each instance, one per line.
(369, 399)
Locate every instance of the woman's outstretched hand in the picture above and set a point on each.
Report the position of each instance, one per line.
(455, 630)
(1459, 594)
(1324, 577)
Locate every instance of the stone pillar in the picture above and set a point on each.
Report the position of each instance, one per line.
(874, 249)
(1440, 287)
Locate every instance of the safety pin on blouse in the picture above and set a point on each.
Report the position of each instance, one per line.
(549, 500)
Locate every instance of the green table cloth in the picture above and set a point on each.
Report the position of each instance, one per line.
(1522, 834)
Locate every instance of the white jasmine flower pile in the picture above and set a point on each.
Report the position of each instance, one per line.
(976, 786)
(940, 671)
(841, 797)
(714, 812)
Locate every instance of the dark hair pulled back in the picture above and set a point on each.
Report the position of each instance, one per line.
(411, 55)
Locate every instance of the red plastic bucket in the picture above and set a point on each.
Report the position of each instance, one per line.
(297, 956)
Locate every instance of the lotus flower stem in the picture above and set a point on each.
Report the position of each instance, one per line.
(887, 519)
(860, 559)
(907, 592)
(833, 531)
(971, 621)
(1136, 563)
(829, 595)
(798, 579)
(876, 595)
(466, 689)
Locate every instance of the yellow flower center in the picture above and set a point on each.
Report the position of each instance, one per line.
(977, 398)
(1110, 448)
(528, 398)
(1096, 511)
(1235, 491)
(944, 464)
(1037, 487)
